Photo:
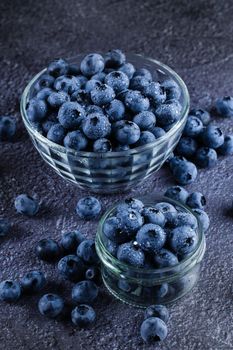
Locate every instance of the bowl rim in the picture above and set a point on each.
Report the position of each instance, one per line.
(158, 271)
(59, 148)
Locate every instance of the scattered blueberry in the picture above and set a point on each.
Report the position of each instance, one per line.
(153, 329)
(5, 227)
(187, 147)
(33, 282)
(201, 114)
(212, 137)
(226, 149)
(26, 205)
(71, 240)
(51, 305)
(196, 200)
(86, 251)
(84, 292)
(203, 218)
(93, 274)
(83, 316)
(47, 249)
(10, 291)
(206, 157)
(7, 128)
(193, 127)
(88, 208)
(185, 173)
(159, 311)
(71, 267)
(177, 193)
(224, 106)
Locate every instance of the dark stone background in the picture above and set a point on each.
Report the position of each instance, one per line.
(195, 38)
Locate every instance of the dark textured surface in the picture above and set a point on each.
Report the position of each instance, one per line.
(196, 40)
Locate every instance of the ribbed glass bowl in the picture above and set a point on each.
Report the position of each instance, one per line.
(143, 287)
(113, 171)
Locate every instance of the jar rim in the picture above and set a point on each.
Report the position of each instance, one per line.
(59, 148)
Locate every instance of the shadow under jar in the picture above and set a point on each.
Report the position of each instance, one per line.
(142, 287)
(110, 172)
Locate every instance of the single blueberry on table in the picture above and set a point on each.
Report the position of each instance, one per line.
(71, 267)
(51, 305)
(155, 92)
(114, 58)
(126, 132)
(71, 240)
(99, 76)
(67, 83)
(172, 89)
(83, 316)
(131, 220)
(44, 81)
(193, 127)
(70, 115)
(118, 81)
(184, 219)
(93, 274)
(56, 99)
(206, 157)
(187, 147)
(153, 329)
(196, 200)
(84, 292)
(87, 252)
(10, 291)
(76, 140)
(177, 193)
(36, 110)
(145, 120)
(168, 113)
(91, 85)
(224, 106)
(136, 101)
(33, 282)
(183, 240)
(5, 227)
(139, 83)
(26, 205)
(44, 93)
(201, 114)
(185, 173)
(158, 132)
(88, 208)
(57, 68)
(159, 311)
(153, 216)
(92, 64)
(165, 258)
(176, 160)
(47, 249)
(143, 72)
(102, 146)
(226, 149)
(168, 210)
(130, 203)
(203, 218)
(102, 94)
(56, 133)
(212, 136)
(130, 253)
(128, 69)
(115, 110)
(151, 238)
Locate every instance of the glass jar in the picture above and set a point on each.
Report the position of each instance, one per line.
(141, 286)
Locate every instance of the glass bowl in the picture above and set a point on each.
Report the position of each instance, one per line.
(113, 171)
(143, 287)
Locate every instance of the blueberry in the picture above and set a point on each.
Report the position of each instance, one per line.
(168, 210)
(122, 95)
(83, 316)
(118, 81)
(168, 113)
(82, 79)
(36, 110)
(93, 109)
(71, 240)
(131, 220)
(56, 99)
(47, 249)
(99, 76)
(196, 200)
(111, 247)
(186, 147)
(126, 132)
(183, 240)
(87, 252)
(56, 133)
(201, 114)
(33, 282)
(176, 160)
(44, 93)
(70, 115)
(155, 92)
(212, 137)
(165, 258)
(102, 146)
(67, 83)
(206, 157)
(139, 83)
(46, 126)
(143, 72)
(5, 227)
(184, 219)
(88, 208)
(193, 127)
(92, 64)
(130, 253)
(93, 274)
(57, 68)
(136, 102)
(112, 230)
(185, 173)
(227, 147)
(145, 120)
(156, 292)
(91, 85)
(71, 267)
(203, 218)
(10, 291)
(114, 58)
(172, 89)
(177, 193)
(159, 311)
(82, 97)
(128, 69)
(44, 81)
(84, 292)
(115, 110)
(158, 132)
(153, 216)
(224, 106)
(73, 69)
(51, 305)
(145, 138)
(125, 286)
(151, 237)
(27, 205)
(102, 94)
(131, 203)
(76, 140)
(121, 148)
(153, 329)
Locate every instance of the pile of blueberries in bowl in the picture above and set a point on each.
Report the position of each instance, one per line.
(105, 123)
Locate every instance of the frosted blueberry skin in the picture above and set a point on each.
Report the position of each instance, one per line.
(48, 250)
(155, 92)
(91, 85)
(83, 316)
(57, 68)
(226, 149)
(82, 97)
(158, 132)
(84, 292)
(114, 58)
(183, 240)
(96, 126)
(26, 205)
(7, 128)
(126, 132)
(136, 102)
(143, 72)
(224, 106)
(10, 291)
(153, 329)
(45, 81)
(33, 282)
(196, 200)
(165, 258)
(131, 220)
(203, 218)
(70, 115)
(44, 93)
(151, 238)
(56, 133)
(115, 110)
(201, 114)
(185, 173)
(212, 137)
(145, 138)
(168, 113)
(92, 64)
(139, 83)
(5, 227)
(172, 89)
(93, 109)
(36, 110)
(130, 203)
(159, 311)
(112, 229)
(88, 208)
(51, 305)
(102, 95)
(102, 145)
(71, 240)
(128, 69)
(118, 81)
(187, 147)
(67, 83)
(145, 120)
(184, 219)
(87, 252)
(177, 193)
(130, 253)
(194, 127)
(206, 157)
(153, 216)
(71, 267)
(76, 140)
(168, 210)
